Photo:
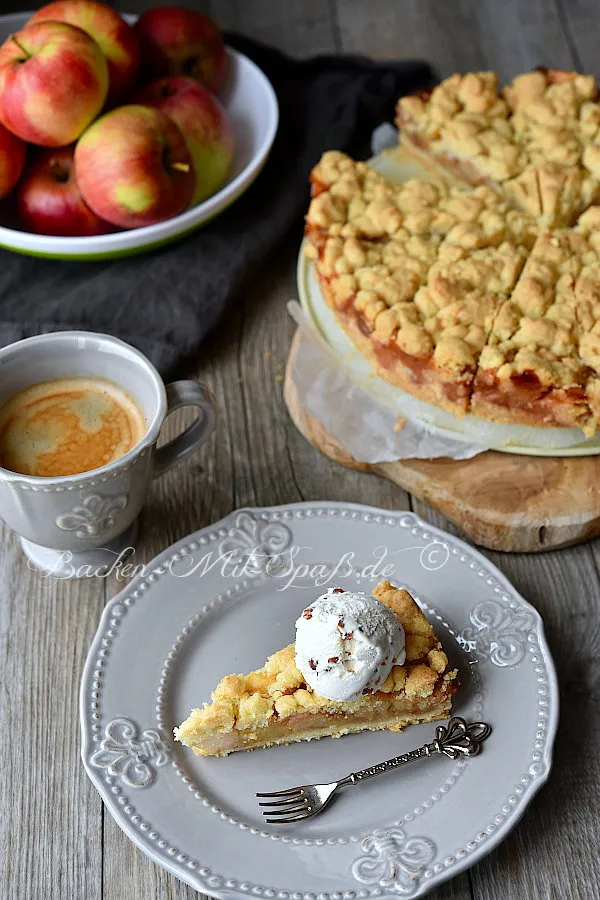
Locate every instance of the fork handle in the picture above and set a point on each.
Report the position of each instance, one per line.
(456, 739)
(389, 764)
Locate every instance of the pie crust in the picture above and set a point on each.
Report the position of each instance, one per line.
(274, 705)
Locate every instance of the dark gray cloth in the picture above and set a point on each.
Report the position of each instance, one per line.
(167, 301)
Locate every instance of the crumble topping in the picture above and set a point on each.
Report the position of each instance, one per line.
(477, 283)
(539, 138)
(466, 116)
(432, 294)
(549, 323)
(278, 690)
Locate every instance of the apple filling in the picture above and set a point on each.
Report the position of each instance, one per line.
(444, 163)
(307, 726)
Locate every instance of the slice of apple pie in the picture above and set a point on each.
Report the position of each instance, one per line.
(359, 663)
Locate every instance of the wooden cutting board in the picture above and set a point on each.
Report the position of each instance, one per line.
(502, 501)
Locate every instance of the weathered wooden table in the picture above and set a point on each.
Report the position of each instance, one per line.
(56, 840)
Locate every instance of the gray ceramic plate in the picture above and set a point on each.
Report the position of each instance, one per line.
(192, 617)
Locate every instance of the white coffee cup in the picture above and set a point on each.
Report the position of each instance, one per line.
(72, 524)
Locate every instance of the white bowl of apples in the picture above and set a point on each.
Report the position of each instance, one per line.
(119, 134)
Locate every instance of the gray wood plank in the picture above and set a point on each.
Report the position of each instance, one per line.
(508, 37)
(50, 815)
(300, 27)
(578, 18)
(52, 825)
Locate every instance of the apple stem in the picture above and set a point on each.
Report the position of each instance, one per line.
(21, 48)
(180, 166)
(61, 173)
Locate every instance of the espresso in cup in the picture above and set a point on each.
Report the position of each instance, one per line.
(68, 425)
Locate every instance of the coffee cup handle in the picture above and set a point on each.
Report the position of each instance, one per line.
(186, 393)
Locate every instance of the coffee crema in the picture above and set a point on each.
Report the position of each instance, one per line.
(67, 426)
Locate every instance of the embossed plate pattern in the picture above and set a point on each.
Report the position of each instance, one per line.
(224, 598)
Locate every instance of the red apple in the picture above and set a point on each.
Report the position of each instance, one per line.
(134, 168)
(204, 125)
(114, 36)
(53, 83)
(50, 201)
(12, 160)
(179, 41)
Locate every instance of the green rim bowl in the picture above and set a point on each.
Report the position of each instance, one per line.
(252, 108)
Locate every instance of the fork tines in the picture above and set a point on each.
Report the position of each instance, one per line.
(288, 806)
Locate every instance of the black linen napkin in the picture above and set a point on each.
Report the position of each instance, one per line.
(167, 301)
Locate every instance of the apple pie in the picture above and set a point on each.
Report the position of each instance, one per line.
(543, 352)
(275, 704)
(477, 293)
(537, 138)
(415, 273)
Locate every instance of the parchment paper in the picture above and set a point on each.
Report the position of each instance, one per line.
(369, 431)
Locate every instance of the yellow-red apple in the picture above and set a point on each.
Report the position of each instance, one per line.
(204, 125)
(114, 36)
(49, 200)
(12, 160)
(53, 83)
(134, 168)
(179, 41)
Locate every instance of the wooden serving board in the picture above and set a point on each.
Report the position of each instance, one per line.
(501, 501)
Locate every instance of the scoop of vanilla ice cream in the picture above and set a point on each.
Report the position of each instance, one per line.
(347, 643)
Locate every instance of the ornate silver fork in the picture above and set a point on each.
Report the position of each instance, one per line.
(294, 804)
